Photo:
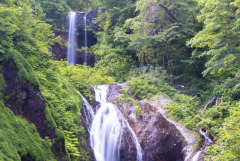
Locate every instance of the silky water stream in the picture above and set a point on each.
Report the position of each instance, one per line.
(72, 37)
(106, 128)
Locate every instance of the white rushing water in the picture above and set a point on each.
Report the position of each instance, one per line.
(196, 156)
(85, 45)
(88, 111)
(72, 37)
(207, 139)
(106, 128)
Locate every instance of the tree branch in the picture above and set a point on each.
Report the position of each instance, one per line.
(209, 103)
(168, 12)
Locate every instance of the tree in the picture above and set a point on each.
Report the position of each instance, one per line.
(220, 34)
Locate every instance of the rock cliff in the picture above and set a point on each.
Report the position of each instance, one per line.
(161, 138)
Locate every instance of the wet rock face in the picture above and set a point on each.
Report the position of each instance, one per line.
(159, 139)
(128, 149)
(60, 51)
(27, 101)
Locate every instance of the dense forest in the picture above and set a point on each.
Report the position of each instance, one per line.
(186, 50)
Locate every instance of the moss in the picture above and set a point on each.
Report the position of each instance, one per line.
(18, 138)
(198, 137)
(195, 145)
(59, 134)
(138, 111)
(145, 88)
(25, 70)
(49, 118)
(125, 96)
(2, 82)
(2, 85)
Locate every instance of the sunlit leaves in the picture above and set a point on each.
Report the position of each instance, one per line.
(220, 33)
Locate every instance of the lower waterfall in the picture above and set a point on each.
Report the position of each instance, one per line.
(107, 127)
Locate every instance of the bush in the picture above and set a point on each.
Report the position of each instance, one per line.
(144, 87)
(18, 138)
(138, 111)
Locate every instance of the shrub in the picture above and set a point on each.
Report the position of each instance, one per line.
(138, 111)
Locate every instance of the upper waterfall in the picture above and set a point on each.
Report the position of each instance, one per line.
(72, 38)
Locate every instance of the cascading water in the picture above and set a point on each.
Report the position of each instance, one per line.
(88, 111)
(85, 45)
(72, 37)
(196, 156)
(107, 127)
(207, 139)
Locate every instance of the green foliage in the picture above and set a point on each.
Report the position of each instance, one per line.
(83, 5)
(229, 141)
(54, 9)
(2, 82)
(138, 111)
(25, 42)
(126, 97)
(49, 118)
(25, 69)
(82, 76)
(18, 138)
(214, 117)
(198, 137)
(146, 87)
(65, 105)
(220, 35)
(183, 110)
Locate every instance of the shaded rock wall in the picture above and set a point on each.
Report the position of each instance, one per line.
(159, 138)
(60, 51)
(28, 102)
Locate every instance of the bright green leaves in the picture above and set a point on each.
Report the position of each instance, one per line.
(229, 138)
(54, 9)
(144, 87)
(112, 44)
(18, 138)
(220, 34)
(183, 110)
(23, 30)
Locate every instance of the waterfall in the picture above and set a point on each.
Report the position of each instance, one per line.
(196, 156)
(85, 45)
(88, 111)
(207, 139)
(72, 37)
(107, 127)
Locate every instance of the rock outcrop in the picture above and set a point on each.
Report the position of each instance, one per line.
(60, 51)
(161, 138)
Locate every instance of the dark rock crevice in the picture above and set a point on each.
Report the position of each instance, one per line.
(27, 101)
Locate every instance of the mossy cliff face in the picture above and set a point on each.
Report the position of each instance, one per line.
(27, 101)
(49, 112)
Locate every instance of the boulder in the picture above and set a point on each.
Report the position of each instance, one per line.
(161, 138)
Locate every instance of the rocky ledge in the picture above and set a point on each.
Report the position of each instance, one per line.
(161, 138)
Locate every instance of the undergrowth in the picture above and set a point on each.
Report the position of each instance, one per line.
(18, 138)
